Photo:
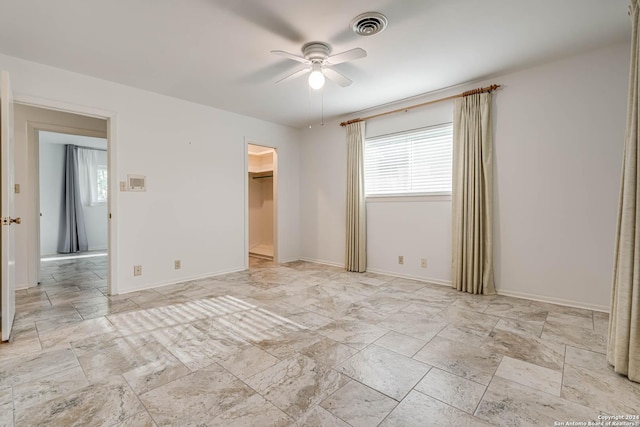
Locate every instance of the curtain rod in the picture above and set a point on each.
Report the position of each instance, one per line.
(405, 109)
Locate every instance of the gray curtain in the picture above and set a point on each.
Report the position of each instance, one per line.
(73, 234)
(472, 195)
(356, 244)
(623, 349)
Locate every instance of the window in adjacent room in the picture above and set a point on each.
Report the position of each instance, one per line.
(416, 162)
(101, 184)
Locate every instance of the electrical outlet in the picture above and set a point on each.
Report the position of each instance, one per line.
(423, 263)
(137, 270)
(177, 265)
(400, 259)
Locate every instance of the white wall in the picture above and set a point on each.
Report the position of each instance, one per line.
(96, 218)
(193, 158)
(51, 196)
(558, 135)
(26, 202)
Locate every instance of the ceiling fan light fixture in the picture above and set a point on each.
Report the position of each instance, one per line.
(316, 77)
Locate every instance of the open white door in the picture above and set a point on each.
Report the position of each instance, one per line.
(7, 266)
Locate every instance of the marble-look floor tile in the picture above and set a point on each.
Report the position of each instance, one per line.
(284, 344)
(198, 345)
(18, 370)
(77, 330)
(522, 327)
(403, 344)
(354, 333)
(385, 371)
(384, 304)
(309, 319)
(575, 336)
(141, 419)
(101, 404)
(104, 308)
(125, 355)
(6, 406)
(254, 411)
(60, 383)
(410, 324)
(359, 405)
(601, 322)
(20, 347)
(478, 303)
(328, 352)
(47, 314)
(419, 410)
(319, 417)
(247, 362)
(601, 389)
(508, 403)
(517, 311)
(451, 389)
(548, 354)
(571, 320)
(464, 335)
(465, 360)
(530, 375)
(296, 384)
(467, 319)
(196, 398)
(585, 358)
(155, 373)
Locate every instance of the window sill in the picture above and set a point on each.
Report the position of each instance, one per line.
(401, 198)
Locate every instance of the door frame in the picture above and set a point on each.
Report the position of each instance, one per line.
(33, 224)
(252, 141)
(33, 150)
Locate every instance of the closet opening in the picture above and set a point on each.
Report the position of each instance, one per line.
(262, 202)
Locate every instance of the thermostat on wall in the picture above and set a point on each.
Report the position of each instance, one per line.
(136, 183)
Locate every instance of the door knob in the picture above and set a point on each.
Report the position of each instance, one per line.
(17, 220)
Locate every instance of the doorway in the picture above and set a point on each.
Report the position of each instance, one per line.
(262, 194)
(73, 232)
(45, 132)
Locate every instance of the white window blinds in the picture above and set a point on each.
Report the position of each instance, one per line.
(413, 162)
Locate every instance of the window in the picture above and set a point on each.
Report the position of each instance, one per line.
(416, 162)
(101, 184)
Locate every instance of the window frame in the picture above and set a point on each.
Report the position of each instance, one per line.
(410, 196)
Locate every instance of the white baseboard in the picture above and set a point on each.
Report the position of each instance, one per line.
(183, 279)
(558, 301)
(22, 287)
(288, 260)
(321, 261)
(411, 277)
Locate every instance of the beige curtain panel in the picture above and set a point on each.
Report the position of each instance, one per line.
(356, 245)
(623, 350)
(472, 195)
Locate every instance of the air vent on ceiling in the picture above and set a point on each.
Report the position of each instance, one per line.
(369, 23)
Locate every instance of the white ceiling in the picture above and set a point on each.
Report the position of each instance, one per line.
(217, 52)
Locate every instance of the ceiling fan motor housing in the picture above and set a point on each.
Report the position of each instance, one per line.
(316, 51)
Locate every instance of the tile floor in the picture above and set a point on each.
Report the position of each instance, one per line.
(299, 344)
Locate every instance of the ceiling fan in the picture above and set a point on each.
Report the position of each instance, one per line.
(318, 63)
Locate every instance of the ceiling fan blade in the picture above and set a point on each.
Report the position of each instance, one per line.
(349, 55)
(335, 76)
(294, 75)
(290, 56)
